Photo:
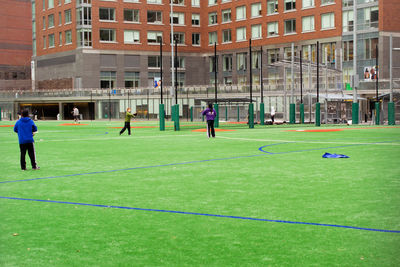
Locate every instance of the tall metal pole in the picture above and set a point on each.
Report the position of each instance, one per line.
(176, 72)
(292, 76)
(317, 71)
(261, 75)
(355, 75)
(391, 67)
(109, 105)
(161, 70)
(215, 71)
(251, 73)
(301, 76)
(172, 48)
(376, 72)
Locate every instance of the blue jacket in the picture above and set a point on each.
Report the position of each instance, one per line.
(25, 128)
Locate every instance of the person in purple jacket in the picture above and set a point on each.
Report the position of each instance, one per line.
(26, 129)
(210, 116)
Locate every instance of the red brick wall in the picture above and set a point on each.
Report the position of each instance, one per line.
(389, 19)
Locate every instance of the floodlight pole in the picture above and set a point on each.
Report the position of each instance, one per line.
(176, 71)
(355, 105)
(261, 75)
(215, 72)
(172, 49)
(161, 70)
(251, 73)
(301, 76)
(317, 105)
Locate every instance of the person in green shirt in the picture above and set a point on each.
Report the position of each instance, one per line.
(128, 118)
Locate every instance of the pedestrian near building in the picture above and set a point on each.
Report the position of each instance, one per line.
(210, 114)
(26, 129)
(272, 115)
(75, 112)
(128, 118)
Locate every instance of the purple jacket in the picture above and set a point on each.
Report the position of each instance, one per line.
(210, 114)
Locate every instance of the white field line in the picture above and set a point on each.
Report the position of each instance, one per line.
(311, 142)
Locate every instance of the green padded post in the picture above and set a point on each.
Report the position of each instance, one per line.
(302, 113)
(292, 116)
(216, 120)
(377, 113)
(202, 117)
(191, 114)
(238, 114)
(317, 114)
(172, 112)
(262, 113)
(391, 114)
(226, 113)
(354, 113)
(176, 119)
(251, 115)
(162, 117)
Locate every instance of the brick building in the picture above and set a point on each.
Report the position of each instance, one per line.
(15, 44)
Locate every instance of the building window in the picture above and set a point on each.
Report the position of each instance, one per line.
(306, 52)
(44, 23)
(44, 42)
(195, 38)
(154, 16)
(131, 79)
(328, 52)
(51, 40)
(308, 3)
(371, 17)
(68, 37)
(241, 61)
(287, 52)
(107, 13)
(154, 1)
(51, 4)
(154, 37)
(131, 36)
(290, 5)
(256, 31)
(132, 1)
(241, 13)
(212, 2)
(67, 1)
(178, 18)
(179, 37)
(212, 38)
(228, 80)
(131, 15)
(272, 55)
(67, 16)
(255, 10)
(195, 19)
(370, 48)
(307, 23)
(60, 38)
(227, 62)
(290, 26)
(227, 36)
(325, 2)
(328, 21)
(107, 35)
(255, 59)
(241, 34)
(196, 3)
(51, 21)
(84, 16)
(84, 37)
(179, 63)
(226, 15)
(348, 50)
(348, 21)
(153, 62)
(59, 18)
(212, 18)
(348, 3)
(107, 79)
(272, 7)
(213, 66)
(272, 29)
(178, 2)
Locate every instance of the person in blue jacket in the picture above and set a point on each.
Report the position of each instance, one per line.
(210, 114)
(26, 129)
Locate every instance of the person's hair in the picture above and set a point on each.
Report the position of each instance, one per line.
(210, 105)
(128, 109)
(25, 113)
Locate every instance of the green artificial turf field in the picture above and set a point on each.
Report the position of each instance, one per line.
(250, 197)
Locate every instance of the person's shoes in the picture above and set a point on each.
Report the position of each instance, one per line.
(36, 168)
(23, 169)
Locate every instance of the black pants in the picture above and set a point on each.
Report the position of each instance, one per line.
(210, 128)
(127, 126)
(31, 152)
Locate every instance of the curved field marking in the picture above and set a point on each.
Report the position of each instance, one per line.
(205, 214)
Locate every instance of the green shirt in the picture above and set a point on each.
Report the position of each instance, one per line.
(128, 116)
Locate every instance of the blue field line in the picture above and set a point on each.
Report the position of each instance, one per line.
(204, 214)
(196, 161)
(133, 168)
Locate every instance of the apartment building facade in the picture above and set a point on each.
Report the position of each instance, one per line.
(116, 43)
